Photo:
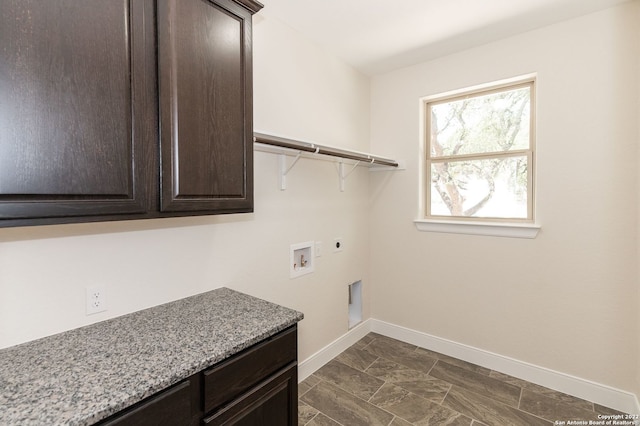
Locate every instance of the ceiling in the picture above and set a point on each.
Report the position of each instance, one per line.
(377, 36)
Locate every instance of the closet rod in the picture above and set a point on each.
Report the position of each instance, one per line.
(322, 149)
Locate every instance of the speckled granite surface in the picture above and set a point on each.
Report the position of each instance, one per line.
(84, 375)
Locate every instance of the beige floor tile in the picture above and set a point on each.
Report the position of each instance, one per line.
(454, 361)
(322, 420)
(364, 341)
(553, 409)
(305, 413)
(348, 378)
(345, 408)
(401, 353)
(489, 411)
(397, 421)
(566, 399)
(414, 381)
(397, 344)
(415, 409)
(357, 358)
(601, 409)
(500, 391)
(308, 383)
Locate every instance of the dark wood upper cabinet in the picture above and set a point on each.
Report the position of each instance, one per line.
(205, 80)
(120, 109)
(76, 108)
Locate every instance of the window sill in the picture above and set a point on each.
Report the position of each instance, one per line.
(494, 229)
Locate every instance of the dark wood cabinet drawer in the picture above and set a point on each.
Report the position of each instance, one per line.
(235, 376)
(170, 407)
(273, 402)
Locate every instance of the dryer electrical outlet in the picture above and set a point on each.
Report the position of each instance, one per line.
(338, 245)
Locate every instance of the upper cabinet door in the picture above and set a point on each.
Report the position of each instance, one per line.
(77, 119)
(206, 129)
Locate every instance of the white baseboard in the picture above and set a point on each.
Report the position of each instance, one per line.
(581, 388)
(333, 349)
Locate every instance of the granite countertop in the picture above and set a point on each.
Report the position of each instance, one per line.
(84, 375)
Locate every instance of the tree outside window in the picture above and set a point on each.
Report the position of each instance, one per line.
(480, 154)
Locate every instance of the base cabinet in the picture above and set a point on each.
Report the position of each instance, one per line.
(169, 407)
(256, 387)
(272, 402)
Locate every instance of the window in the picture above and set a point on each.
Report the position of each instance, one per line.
(479, 154)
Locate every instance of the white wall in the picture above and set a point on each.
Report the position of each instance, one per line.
(567, 300)
(299, 92)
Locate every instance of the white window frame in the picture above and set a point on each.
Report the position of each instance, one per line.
(502, 227)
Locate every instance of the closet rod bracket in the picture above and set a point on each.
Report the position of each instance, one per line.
(284, 169)
(342, 175)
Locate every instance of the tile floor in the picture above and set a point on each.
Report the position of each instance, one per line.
(382, 381)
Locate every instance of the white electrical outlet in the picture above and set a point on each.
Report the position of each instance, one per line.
(96, 299)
